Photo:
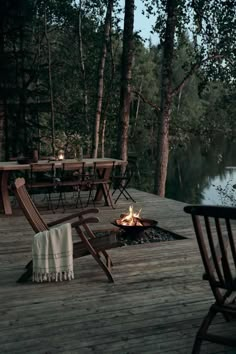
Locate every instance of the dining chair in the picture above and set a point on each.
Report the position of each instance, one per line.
(73, 178)
(214, 228)
(43, 178)
(121, 180)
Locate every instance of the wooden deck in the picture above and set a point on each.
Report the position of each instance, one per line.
(155, 305)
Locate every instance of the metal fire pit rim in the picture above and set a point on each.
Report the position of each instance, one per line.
(151, 222)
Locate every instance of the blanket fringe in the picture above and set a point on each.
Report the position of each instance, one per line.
(52, 276)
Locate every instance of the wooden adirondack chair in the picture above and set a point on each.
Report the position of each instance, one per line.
(89, 244)
(216, 241)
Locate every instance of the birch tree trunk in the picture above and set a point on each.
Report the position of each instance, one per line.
(82, 66)
(166, 100)
(108, 99)
(50, 85)
(137, 109)
(107, 28)
(126, 72)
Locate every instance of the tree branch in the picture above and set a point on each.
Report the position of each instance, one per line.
(191, 72)
(153, 105)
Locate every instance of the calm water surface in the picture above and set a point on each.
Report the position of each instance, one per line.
(195, 175)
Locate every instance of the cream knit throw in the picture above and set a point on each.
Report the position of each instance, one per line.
(53, 255)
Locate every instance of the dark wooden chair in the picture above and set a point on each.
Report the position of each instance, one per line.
(73, 177)
(43, 179)
(216, 241)
(89, 244)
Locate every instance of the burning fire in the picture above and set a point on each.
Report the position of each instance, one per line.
(132, 218)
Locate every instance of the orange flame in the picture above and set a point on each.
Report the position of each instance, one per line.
(132, 218)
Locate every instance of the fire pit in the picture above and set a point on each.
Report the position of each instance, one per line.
(133, 225)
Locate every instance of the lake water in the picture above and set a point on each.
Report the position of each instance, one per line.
(196, 174)
(220, 190)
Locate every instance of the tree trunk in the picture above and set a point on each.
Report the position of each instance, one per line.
(107, 28)
(82, 66)
(50, 85)
(126, 71)
(137, 109)
(166, 100)
(108, 100)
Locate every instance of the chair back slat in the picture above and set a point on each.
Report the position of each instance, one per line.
(223, 243)
(215, 257)
(28, 206)
(73, 166)
(208, 265)
(231, 240)
(42, 167)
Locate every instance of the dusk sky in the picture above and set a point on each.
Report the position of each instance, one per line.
(141, 22)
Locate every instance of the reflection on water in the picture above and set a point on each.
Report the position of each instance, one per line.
(195, 173)
(225, 182)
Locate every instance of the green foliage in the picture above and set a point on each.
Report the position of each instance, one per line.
(226, 194)
(203, 31)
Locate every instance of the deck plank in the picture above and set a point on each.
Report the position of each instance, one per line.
(155, 305)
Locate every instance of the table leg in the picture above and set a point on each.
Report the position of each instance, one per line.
(104, 173)
(5, 200)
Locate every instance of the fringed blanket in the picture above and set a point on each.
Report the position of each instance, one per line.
(53, 255)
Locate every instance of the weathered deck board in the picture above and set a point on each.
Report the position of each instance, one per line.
(155, 305)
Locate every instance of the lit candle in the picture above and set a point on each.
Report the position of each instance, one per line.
(61, 155)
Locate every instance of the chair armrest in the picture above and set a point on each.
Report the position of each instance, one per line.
(73, 216)
(90, 220)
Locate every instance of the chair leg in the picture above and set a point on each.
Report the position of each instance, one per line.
(27, 274)
(202, 332)
(95, 255)
(79, 199)
(29, 264)
(49, 200)
(90, 197)
(61, 199)
(105, 254)
(197, 346)
(123, 192)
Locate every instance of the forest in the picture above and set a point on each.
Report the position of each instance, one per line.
(76, 74)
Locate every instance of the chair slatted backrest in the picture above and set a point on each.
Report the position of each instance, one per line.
(213, 229)
(103, 168)
(42, 168)
(28, 207)
(76, 171)
(73, 167)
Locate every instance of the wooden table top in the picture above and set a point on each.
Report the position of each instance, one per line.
(15, 166)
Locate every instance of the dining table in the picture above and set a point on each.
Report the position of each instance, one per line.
(8, 167)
